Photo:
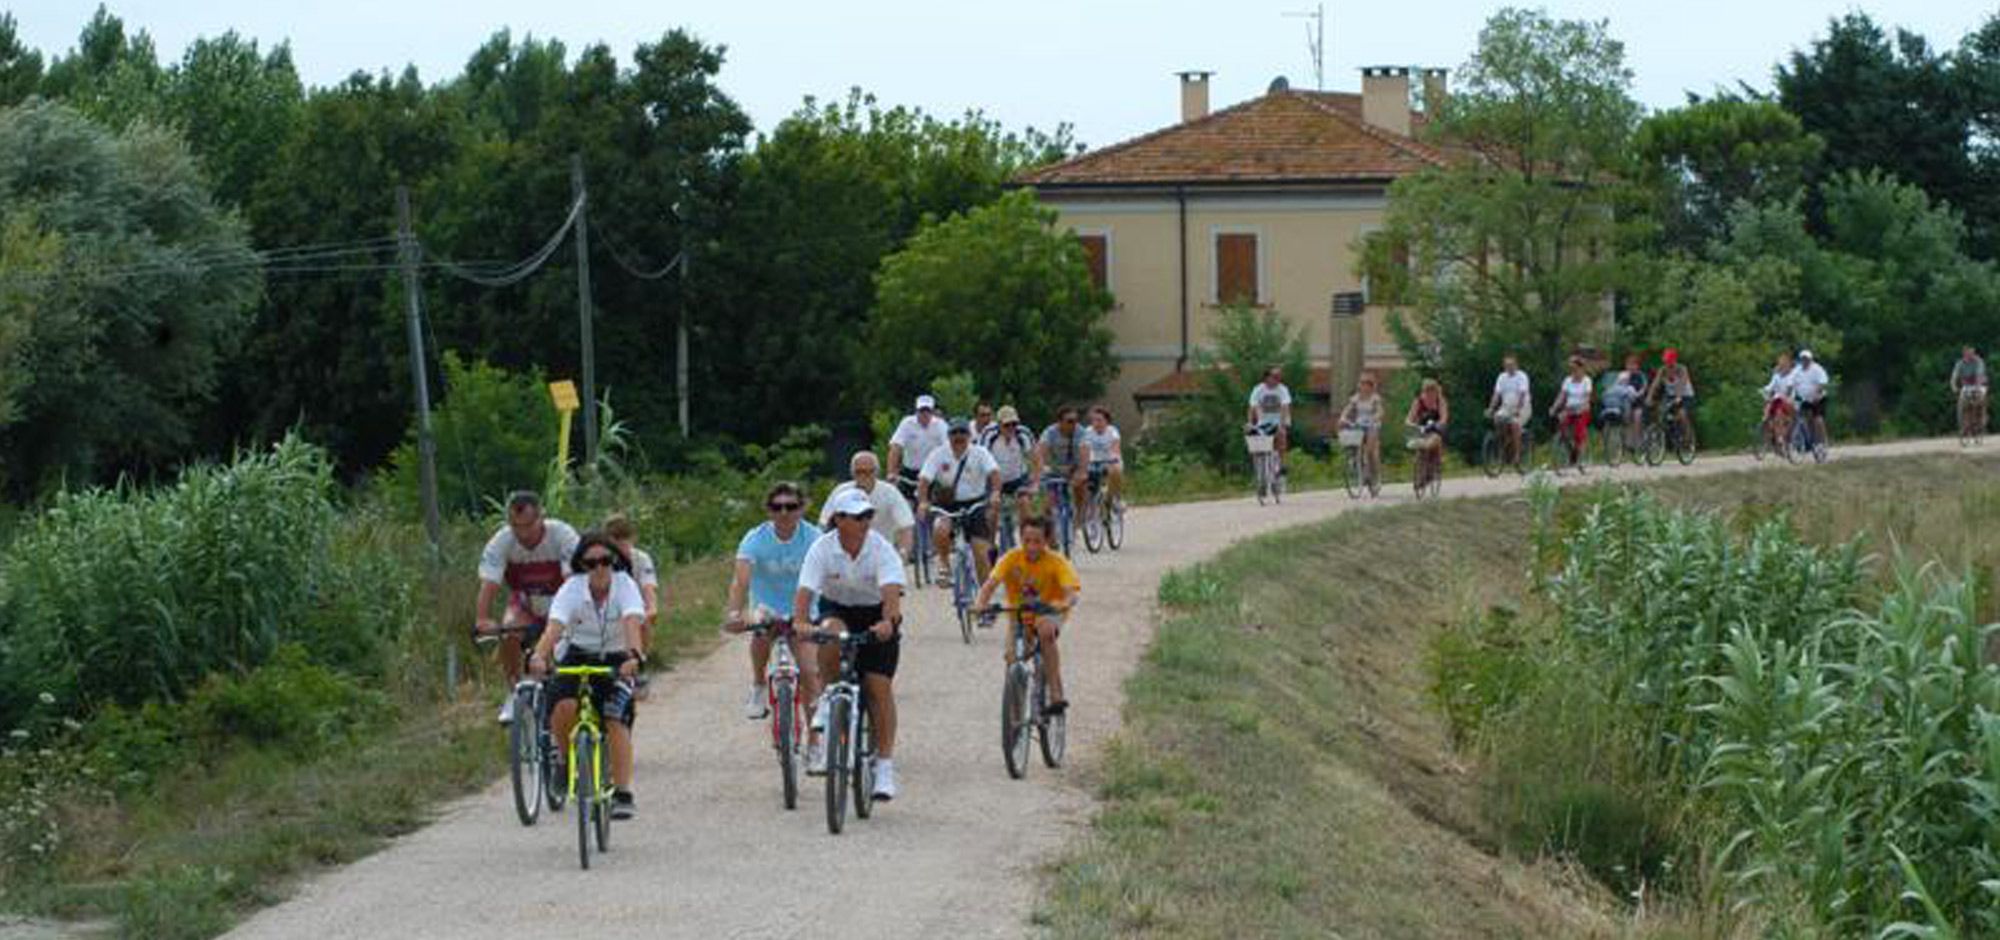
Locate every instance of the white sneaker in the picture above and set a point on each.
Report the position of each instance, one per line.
(885, 780)
(758, 706)
(816, 759)
(819, 716)
(507, 711)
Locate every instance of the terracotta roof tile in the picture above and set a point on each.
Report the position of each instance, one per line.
(1286, 136)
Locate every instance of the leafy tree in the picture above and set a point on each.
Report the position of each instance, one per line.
(112, 76)
(20, 66)
(237, 107)
(1706, 157)
(1242, 343)
(998, 292)
(1514, 243)
(495, 432)
(123, 342)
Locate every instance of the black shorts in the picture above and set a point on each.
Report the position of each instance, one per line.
(975, 523)
(1015, 486)
(1813, 409)
(906, 483)
(612, 694)
(879, 657)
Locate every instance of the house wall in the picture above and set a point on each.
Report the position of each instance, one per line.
(1306, 244)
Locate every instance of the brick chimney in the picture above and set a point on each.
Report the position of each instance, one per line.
(1435, 91)
(1385, 97)
(1194, 95)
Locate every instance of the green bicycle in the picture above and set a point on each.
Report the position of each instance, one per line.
(589, 785)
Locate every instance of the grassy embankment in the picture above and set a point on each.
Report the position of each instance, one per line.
(1285, 769)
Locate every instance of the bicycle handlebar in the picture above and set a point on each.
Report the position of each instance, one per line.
(585, 671)
(960, 513)
(843, 637)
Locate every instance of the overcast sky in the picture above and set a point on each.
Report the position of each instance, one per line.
(1104, 66)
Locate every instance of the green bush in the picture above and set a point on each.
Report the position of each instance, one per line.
(125, 595)
(1208, 426)
(495, 431)
(1727, 415)
(289, 704)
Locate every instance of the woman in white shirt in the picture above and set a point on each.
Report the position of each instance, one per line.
(1105, 446)
(1572, 409)
(597, 614)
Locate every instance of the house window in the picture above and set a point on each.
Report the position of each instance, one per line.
(1097, 256)
(1238, 268)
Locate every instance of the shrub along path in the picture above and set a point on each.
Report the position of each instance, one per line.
(961, 854)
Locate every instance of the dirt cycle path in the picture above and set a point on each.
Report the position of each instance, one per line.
(713, 854)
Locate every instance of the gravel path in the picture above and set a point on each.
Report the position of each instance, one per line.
(714, 855)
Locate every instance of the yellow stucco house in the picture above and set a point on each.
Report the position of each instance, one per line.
(1262, 201)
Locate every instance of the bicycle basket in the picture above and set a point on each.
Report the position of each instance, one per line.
(1352, 437)
(1260, 443)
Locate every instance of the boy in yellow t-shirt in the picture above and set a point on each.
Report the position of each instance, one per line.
(1035, 567)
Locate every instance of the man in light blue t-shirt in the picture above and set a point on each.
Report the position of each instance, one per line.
(767, 575)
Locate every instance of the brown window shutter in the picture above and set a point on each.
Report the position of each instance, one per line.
(1236, 268)
(1097, 257)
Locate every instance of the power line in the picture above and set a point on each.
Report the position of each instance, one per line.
(633, 268)
(517, 273)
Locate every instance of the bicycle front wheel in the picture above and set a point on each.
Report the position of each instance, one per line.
(962, 575)
(1013, 721)
(1489, 454)
(836, 763)
(1654, 445)
(583, 780)
(787, 717)
(525, 751)
(1093, 523)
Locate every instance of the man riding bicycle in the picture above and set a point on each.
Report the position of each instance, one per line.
(597, 616)
(858, 579)
(1620, 400)
(1809, 383)
(767, 574)
(1035, 567)
(1674, 385)
(1060, 456)
(892, 512)
(916, 438)
(530, 556)
(644, 571)
(1968, 386)
(1510, 406)
(968, 475)
(1013, 449)
(1271, 411)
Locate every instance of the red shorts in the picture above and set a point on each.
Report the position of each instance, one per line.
(1577, 423)
(1777, 406)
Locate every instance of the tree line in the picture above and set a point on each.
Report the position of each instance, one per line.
(138, 330)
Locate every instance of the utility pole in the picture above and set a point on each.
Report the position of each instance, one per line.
(426, 444)
(583, 309)
(681, 338)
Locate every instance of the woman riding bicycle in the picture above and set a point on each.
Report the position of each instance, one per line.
(1778, 404)
(1572, 409)
(597, 615)
(1429, 414)
(1364, 412)
(1104, 444)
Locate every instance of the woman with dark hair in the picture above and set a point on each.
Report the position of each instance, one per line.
(598, 614)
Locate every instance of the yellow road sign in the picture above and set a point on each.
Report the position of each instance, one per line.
(564, 395)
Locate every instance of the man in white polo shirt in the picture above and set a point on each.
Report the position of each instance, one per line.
(919, 434)
(967, 475)
(858, 578)
(892, 511)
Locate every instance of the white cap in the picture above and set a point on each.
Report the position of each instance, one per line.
(925, 401)
(852, 503)
(1805, 354)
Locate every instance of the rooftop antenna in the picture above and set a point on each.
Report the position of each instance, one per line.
(1315, 40)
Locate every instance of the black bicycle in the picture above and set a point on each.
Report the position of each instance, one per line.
(849, 737)
(1669, 431)
(532, 764)
(1103, 520)
(1024, 694)
(1492, 451)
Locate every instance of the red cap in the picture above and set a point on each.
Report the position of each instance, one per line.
(1671, 356)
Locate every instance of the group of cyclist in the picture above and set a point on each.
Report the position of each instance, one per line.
(591, 599)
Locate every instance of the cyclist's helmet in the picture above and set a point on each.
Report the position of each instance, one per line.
(1671, 356)
(960, 426)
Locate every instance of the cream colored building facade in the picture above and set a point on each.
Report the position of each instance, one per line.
(1267, 201)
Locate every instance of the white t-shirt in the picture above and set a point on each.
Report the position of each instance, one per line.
(643, 569)
(851, 580)
(1809, 382)
(1576, 394)
(1102, 447)
(1781, 384)
(595, 627)
(1270, 402)
(892, 511)
(531, 574)
(918, 440)
(1013, 453)
(971, 485)
(1513, 391)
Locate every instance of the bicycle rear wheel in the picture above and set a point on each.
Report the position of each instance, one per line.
(864, 765)
(1013, 721)
(524, 749)
(835, 740)
(1114, 526)
(583, 760)
(787, 716)
(601, 813)
(1526, 458)
(1055, 730)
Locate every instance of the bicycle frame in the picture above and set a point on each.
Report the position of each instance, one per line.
(853, 754)
(1055, 488)
(587, 719)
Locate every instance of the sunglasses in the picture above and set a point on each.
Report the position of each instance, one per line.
(862, 517)
(784, 507)
(595, 562)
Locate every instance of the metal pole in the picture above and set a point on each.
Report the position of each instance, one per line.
(426, 443)
(681, 343)
(584, 311)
